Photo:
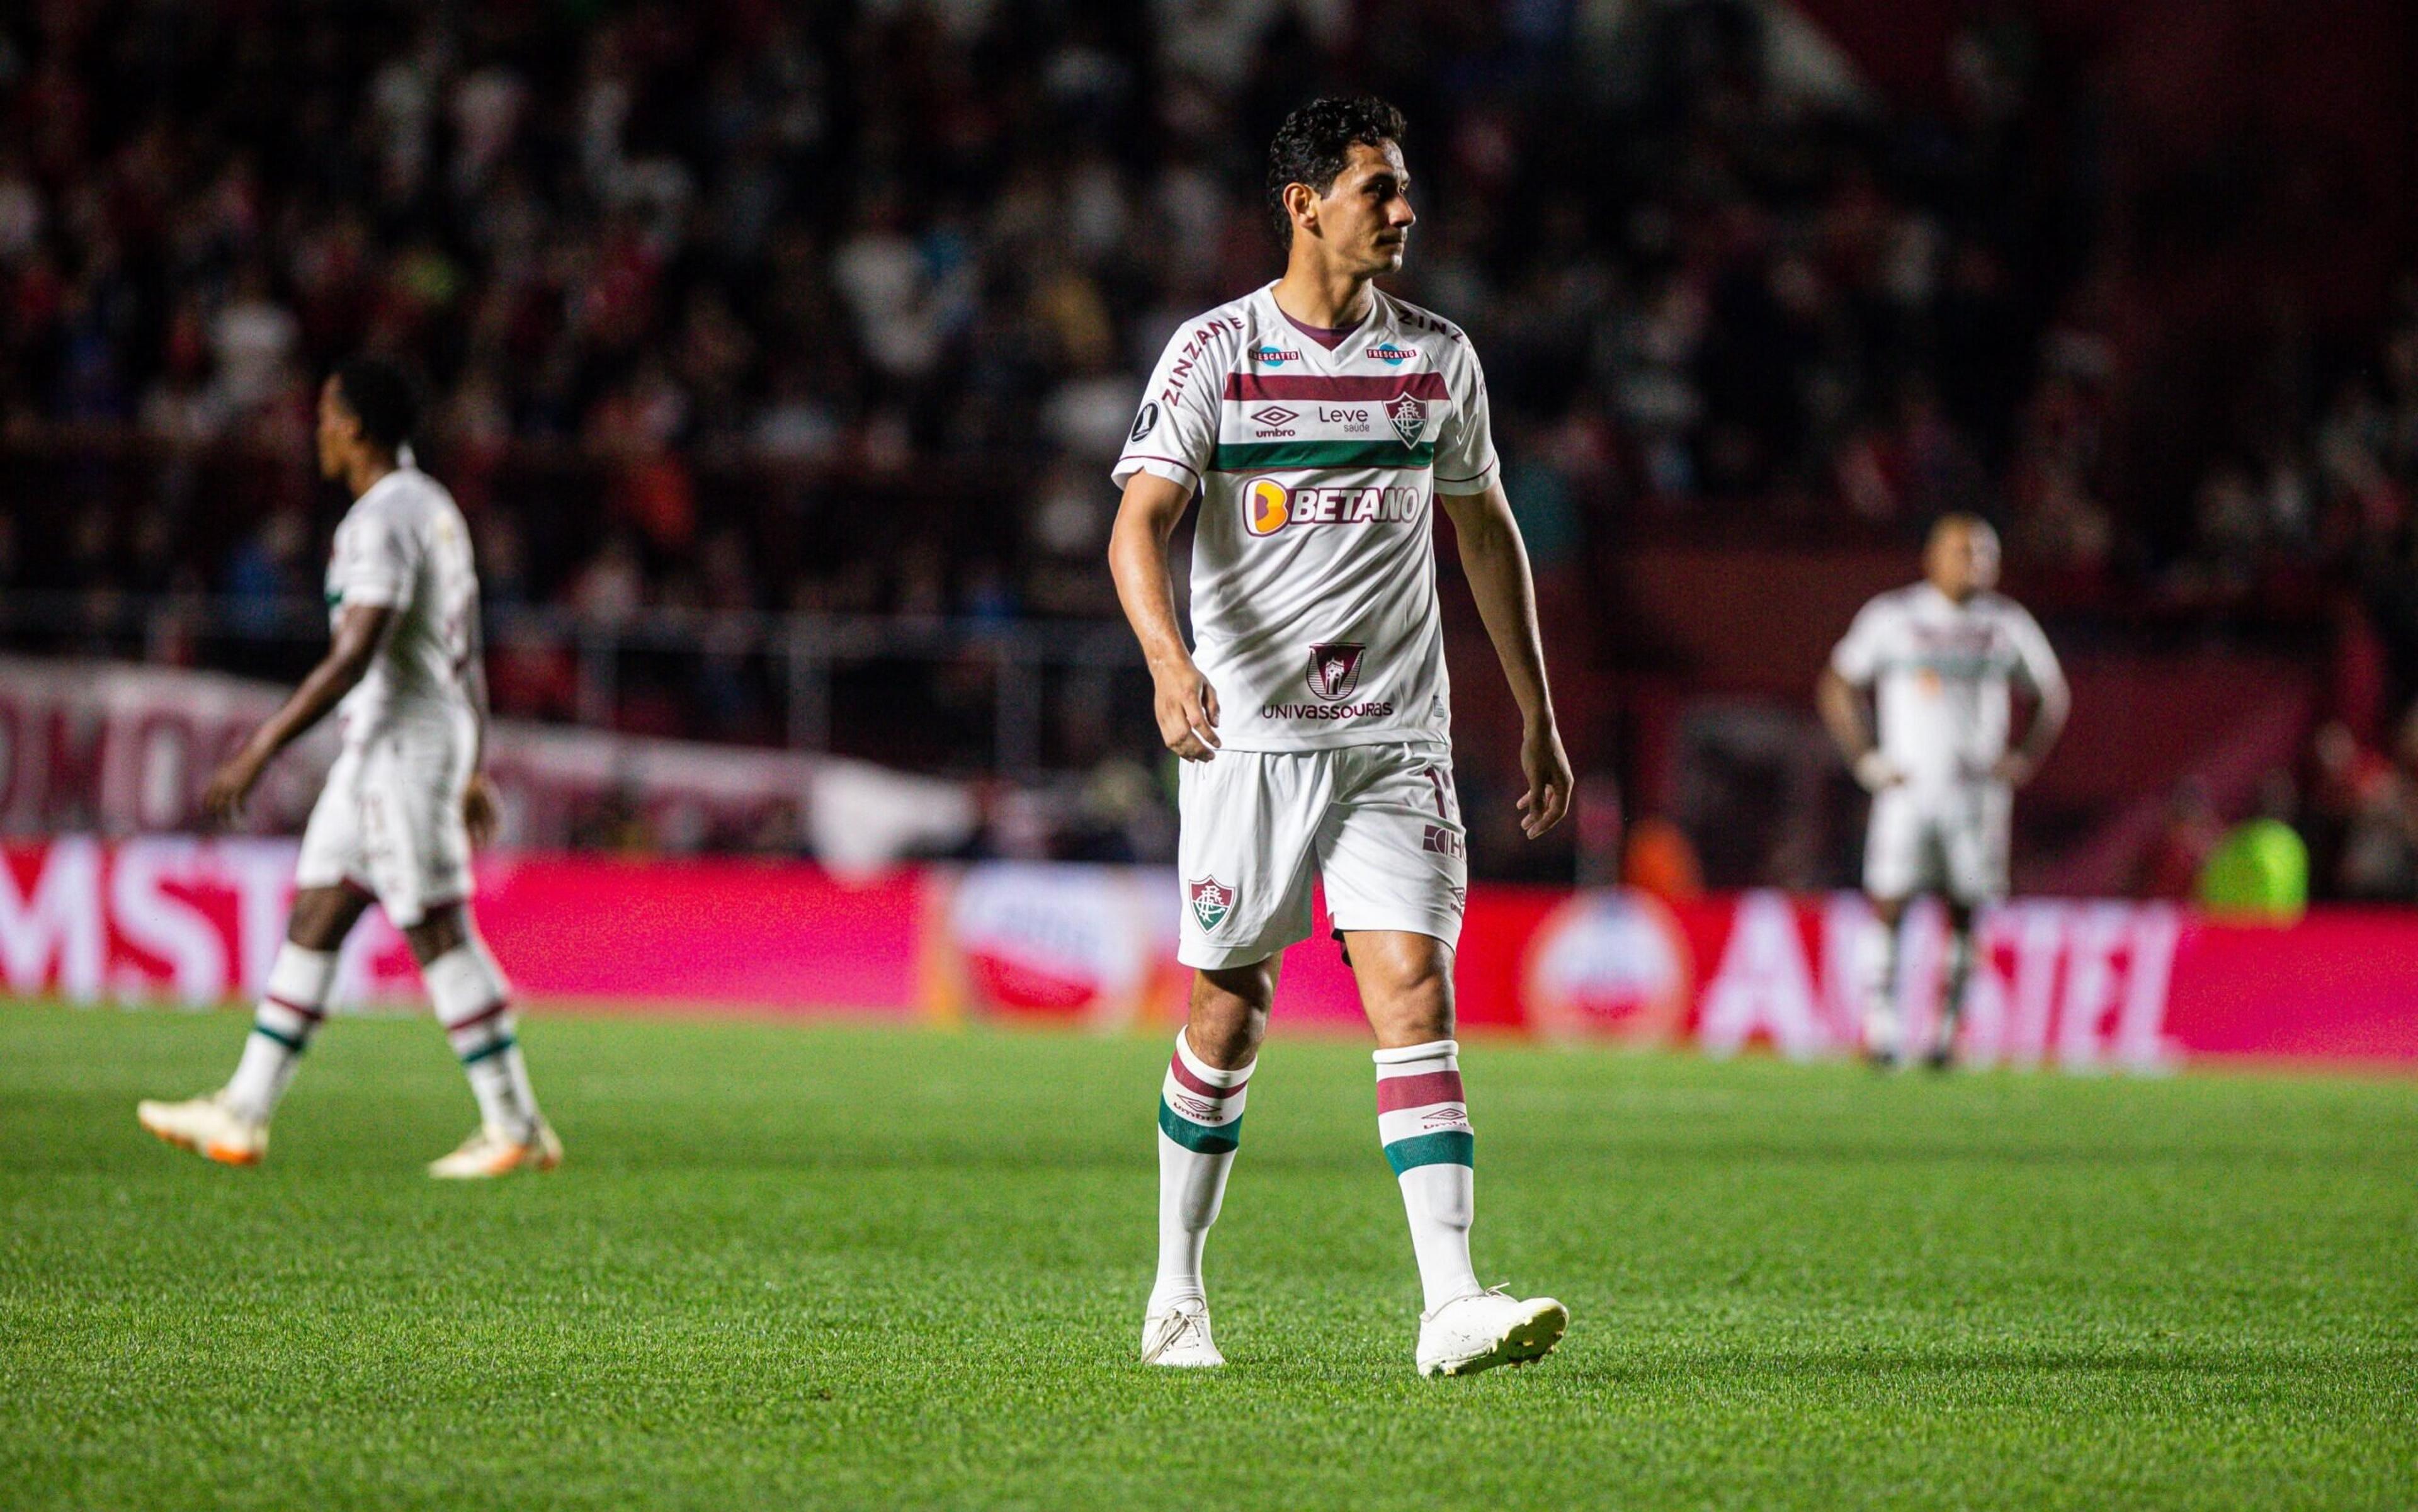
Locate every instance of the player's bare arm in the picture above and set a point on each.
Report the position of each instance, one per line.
(477, 799)
(358, 630)
(1842, 706)
(1496, 562)
(2018, 766)
(1182, 700)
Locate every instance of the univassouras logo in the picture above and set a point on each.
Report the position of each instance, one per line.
(1335, 668)
(1375, 708)
(1269, 506)
(1392, 356)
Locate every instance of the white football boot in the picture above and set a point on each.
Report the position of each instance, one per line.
(206, 1126)
(1485, 1329)
(491, 1152)
(1179, 1337)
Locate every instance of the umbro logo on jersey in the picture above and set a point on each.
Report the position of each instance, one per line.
(1409, 414)
(1274, 421)
(1392, 356)
(1335, 669)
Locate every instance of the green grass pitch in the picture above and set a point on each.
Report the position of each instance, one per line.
(806, 1266)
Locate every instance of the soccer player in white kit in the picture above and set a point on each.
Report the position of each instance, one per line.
(1937, 659)
(402, 802)
(1316, 419)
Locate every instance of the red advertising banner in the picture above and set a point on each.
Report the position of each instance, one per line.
(2082, 985)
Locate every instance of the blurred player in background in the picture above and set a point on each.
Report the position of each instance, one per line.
(1317, 417)
(1936, 659)
(402, 802)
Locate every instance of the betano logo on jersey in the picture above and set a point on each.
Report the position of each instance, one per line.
(1269, 506)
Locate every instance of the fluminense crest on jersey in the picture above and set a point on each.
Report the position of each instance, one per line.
(1212, 900)
(1335, 669)
(1409, 414)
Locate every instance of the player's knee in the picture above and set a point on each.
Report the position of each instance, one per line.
(1229, 1013)
(322, 916)
(1406, 986)
(438, 932)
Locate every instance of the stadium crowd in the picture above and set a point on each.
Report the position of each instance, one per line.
(885, 240)
(845, 307)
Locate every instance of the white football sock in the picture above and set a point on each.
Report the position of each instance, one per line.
(1880, 989)
(290, 1011)
(1200, 1125)
(1423, 1122)
(473, 1003)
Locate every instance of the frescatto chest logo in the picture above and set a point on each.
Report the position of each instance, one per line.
(1392, 356)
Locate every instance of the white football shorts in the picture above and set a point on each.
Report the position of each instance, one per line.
(1949, 839)
(389, 823)
(1381, 823)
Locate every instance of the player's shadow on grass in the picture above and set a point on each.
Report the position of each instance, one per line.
(1747, 1365)
(2225, 1157)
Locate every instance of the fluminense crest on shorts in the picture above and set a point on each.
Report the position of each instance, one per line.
(1335, 669)
(1408, 413)
(1212, 900)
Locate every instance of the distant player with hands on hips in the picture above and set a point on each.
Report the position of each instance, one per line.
(1316, 419)
(1937, 659)
(402, 802)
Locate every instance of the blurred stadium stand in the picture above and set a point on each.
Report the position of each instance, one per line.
(776, 355)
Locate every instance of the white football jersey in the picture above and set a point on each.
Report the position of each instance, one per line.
(1939, 671)
(1314, 610)
(403, 543)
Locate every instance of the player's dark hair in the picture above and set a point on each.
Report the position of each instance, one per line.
(381, 397)
(1315, 142)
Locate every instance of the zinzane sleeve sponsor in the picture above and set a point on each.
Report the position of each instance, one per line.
(1464, 458)
(376, 559)
(1859, 655)
(1174, 434)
